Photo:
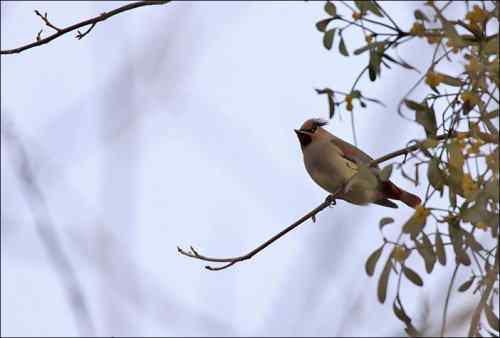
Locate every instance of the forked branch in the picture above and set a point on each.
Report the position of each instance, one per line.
(329, 201)
(89, 22)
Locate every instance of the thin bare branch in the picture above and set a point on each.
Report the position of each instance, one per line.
(92, 22)
(330, 200)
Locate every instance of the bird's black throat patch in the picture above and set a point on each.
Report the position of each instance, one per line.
(304, 139)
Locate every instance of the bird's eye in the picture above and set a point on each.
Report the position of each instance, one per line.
(313, 129)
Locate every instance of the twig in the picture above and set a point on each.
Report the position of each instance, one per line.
(330, 200)
(46, 20)
(447, 301)
(92, 21)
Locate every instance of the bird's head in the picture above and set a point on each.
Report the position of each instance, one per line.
(310, 131)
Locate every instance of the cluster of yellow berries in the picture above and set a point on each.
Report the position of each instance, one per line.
(477, 15)
(348, 100)
(482, 226)
(470, 98)
(357, 15)
(418, 29)
(399, 253)
(468, 185)
(421, 214)
(433, 79)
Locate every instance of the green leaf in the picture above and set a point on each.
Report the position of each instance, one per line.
(414, 226)
(372, 7)
(342, 47)
(331, 106)
(435, 175)
(472, 242)
(490, 315)
(428, 253)
(457, 242)
(399, 312)
(440, 251)
(384, 221)
(419, 15)
(361, 5)
(384, 281)
(465, 286)
(330, 8)
(412, 276)
(415, 105)
(451, 81)
(371, 262)
(370, 46)
(427, 119)
(323, 24)
(356, 94)
(328, 38)
(456, 158)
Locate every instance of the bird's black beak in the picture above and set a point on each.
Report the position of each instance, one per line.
(304, 137)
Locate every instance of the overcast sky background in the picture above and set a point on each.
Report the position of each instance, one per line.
(173, 125)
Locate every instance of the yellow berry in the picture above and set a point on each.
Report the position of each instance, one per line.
(399, 253)
(356, 15)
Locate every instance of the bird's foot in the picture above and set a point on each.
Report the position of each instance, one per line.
(330, 199)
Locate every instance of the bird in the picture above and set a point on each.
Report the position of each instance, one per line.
(344, 170)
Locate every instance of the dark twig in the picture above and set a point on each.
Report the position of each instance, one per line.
(330, 200)
(92, 21)
(46, 20)
(80, 35)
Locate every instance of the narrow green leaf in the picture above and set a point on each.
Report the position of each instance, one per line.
(370, 46)
(491, 317)
(372, 7)
(323, 24)
(361, 5)
(400, 313)
(419, 15)
(328, 38)
(427, 119)
(457, 243)
(330, 8)
(440, 251)
(372, 260)
(435, 175)
(331, 106)
(384, 221)
(415, 105)
(465, 286)
(384, 281)
(428, 252)
(451, 81)
(342, 47)
(412, 276)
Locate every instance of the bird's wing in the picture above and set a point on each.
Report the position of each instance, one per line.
(351, 152)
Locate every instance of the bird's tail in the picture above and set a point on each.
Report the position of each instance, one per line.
(392, 191)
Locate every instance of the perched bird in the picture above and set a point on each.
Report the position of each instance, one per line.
(342, 169)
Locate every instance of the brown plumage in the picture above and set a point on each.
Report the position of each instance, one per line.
(332, 162)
